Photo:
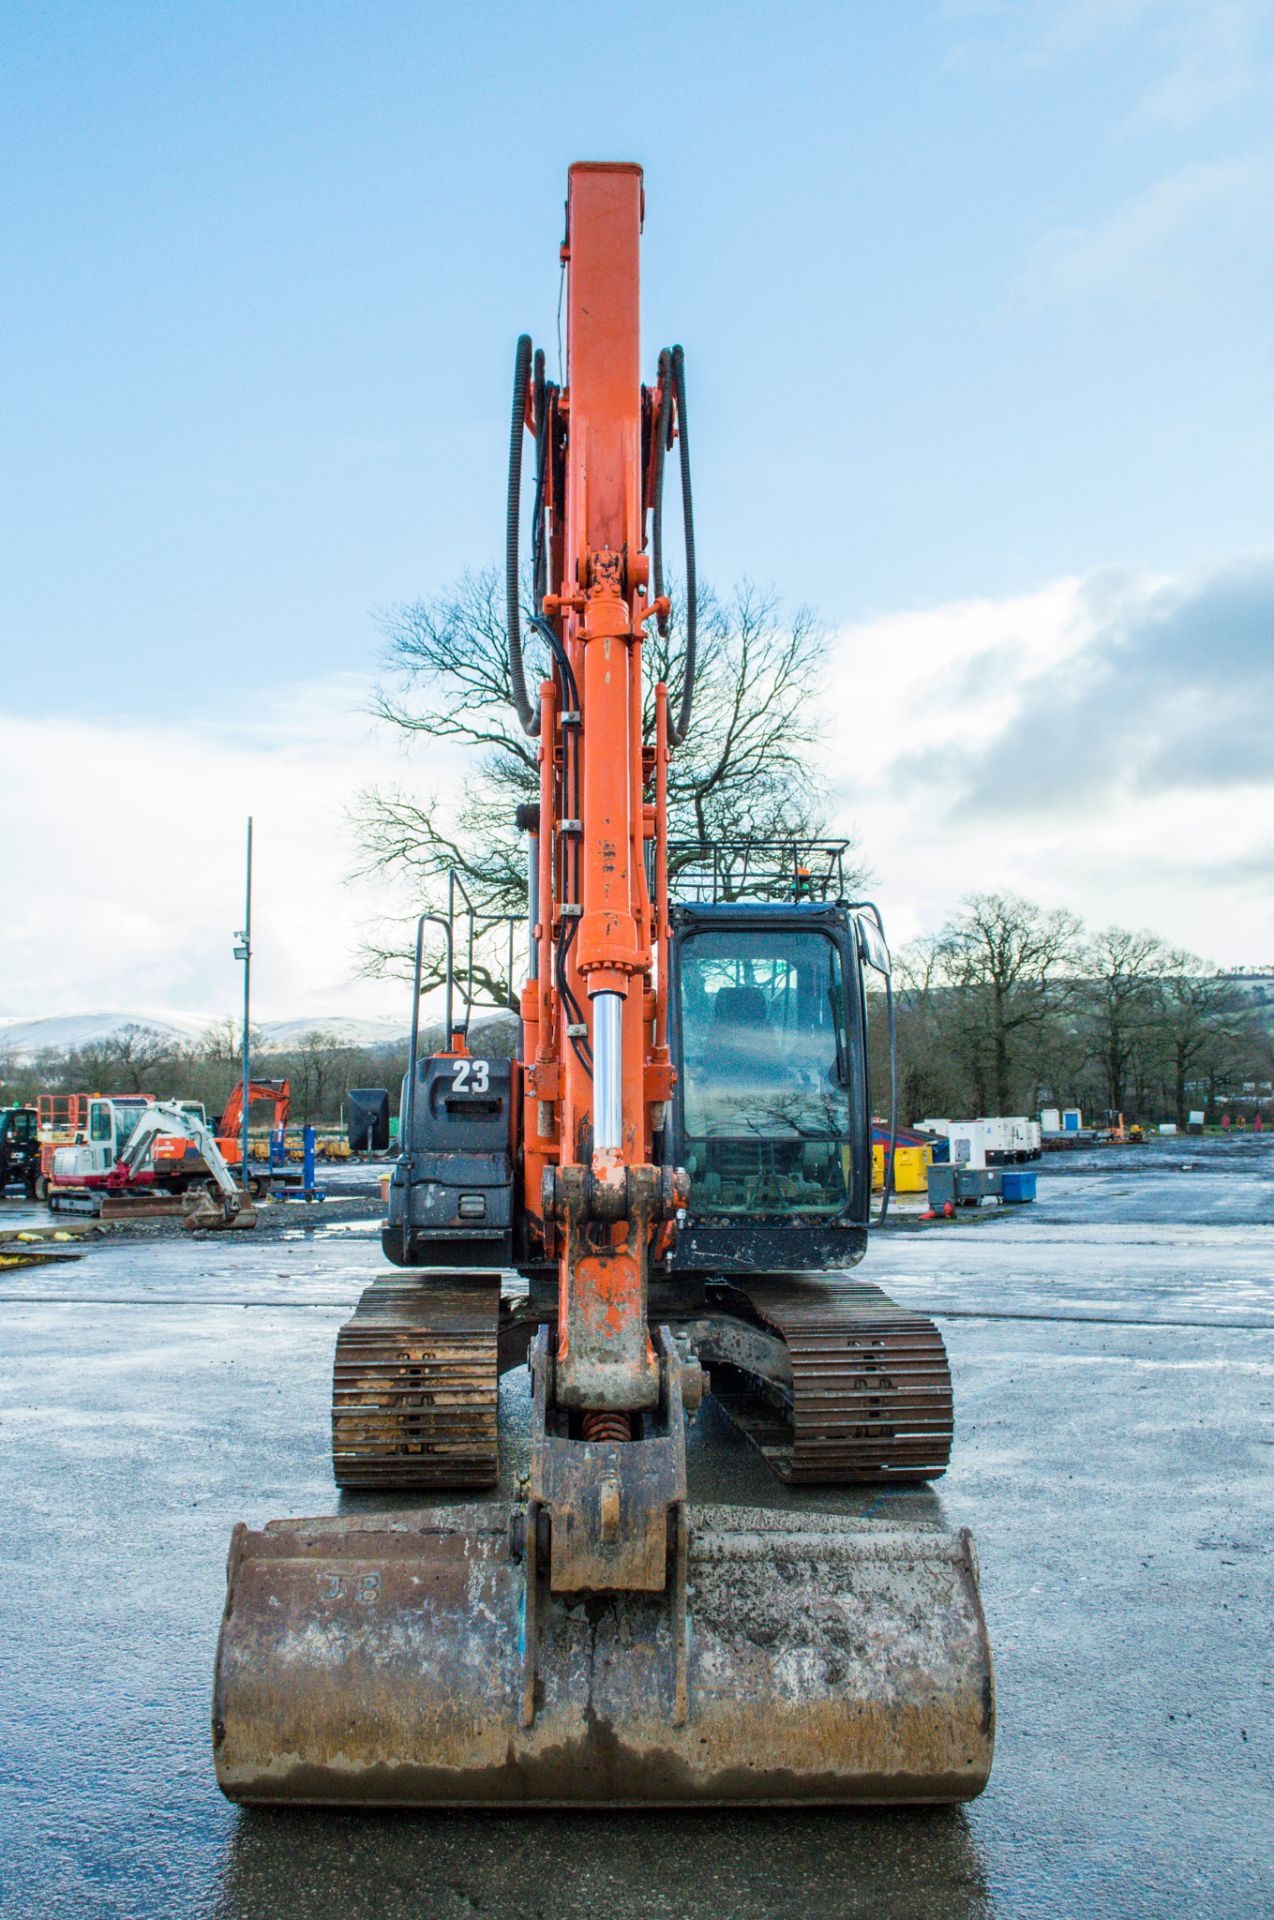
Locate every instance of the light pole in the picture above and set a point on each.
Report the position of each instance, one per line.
(243, 951)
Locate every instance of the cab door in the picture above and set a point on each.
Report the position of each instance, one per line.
(101, 1136)
(770, 1107)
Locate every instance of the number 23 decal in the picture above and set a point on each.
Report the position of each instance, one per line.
(470, 1076)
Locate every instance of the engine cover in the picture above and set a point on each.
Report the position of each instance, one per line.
(451, 1194)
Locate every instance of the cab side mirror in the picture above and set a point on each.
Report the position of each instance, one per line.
(873, 948)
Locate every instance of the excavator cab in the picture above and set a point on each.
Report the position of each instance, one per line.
(770, 1114)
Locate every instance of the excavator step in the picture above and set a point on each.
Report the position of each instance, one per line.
(415, 1381)
(869, 1395)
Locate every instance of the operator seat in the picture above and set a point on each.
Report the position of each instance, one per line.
(740, 1029)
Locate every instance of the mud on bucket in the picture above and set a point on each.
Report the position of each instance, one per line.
(421, 1660)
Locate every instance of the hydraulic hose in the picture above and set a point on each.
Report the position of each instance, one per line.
(571, 858)
(539, 549)
(663, 440)
(530, 720)
(892, 1151)
(672, 371)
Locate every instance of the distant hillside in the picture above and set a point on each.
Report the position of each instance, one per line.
(338, 1028)
(21, 1039)
(1257, 988)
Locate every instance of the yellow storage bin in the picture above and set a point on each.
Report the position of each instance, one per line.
(911, 1168)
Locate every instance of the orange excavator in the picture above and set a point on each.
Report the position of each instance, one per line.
(229, 1128)
(664, 1197)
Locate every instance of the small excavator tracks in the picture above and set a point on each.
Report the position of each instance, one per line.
(414, 1385)
(870, 1392)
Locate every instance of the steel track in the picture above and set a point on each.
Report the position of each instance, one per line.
(870, 1391)
(414, 1385)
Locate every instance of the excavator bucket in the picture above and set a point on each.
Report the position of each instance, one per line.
(421, 1659)
(204, 1212)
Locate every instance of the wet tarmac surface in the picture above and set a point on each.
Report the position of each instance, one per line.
(1113, 1351)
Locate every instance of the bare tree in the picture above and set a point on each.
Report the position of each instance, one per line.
(313, 1064)
(1014, 964)
(13, 1082)
(131, 1060)
(749, 769)
(1123, 968)
(929, 1079)
(214, 1065)
(1199, 1020)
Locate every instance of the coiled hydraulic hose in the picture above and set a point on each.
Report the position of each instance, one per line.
(672, 374)
(529, 718)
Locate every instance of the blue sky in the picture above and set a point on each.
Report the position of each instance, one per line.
(975, 297)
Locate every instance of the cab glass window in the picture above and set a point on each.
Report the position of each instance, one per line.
(764, 1085)
(127, 1114)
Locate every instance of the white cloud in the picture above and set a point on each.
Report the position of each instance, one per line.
(1096, 745)
(1185, 59)
(1213, 58)
(126, 883)
(1141, 250)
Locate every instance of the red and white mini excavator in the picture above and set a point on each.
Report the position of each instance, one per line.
(663, 1197)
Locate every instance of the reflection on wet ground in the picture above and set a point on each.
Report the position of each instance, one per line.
(564, 1866)
(1113, 1462)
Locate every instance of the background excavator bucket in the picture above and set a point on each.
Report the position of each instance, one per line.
(420, 1659)
(204, 1212)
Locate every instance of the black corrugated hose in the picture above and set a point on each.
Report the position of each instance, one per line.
(663, 440)
(527, 715)
(522, 374)
(672, 373)
(541, 391)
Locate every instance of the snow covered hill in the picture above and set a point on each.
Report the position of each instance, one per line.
(23, 1038)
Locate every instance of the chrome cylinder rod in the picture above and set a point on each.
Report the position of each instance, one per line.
(608, 1099)
(532, 904)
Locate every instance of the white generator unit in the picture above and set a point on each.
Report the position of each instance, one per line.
(992, 1141)
(968, 1144)
(1024, 1138)
(997, 1139)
